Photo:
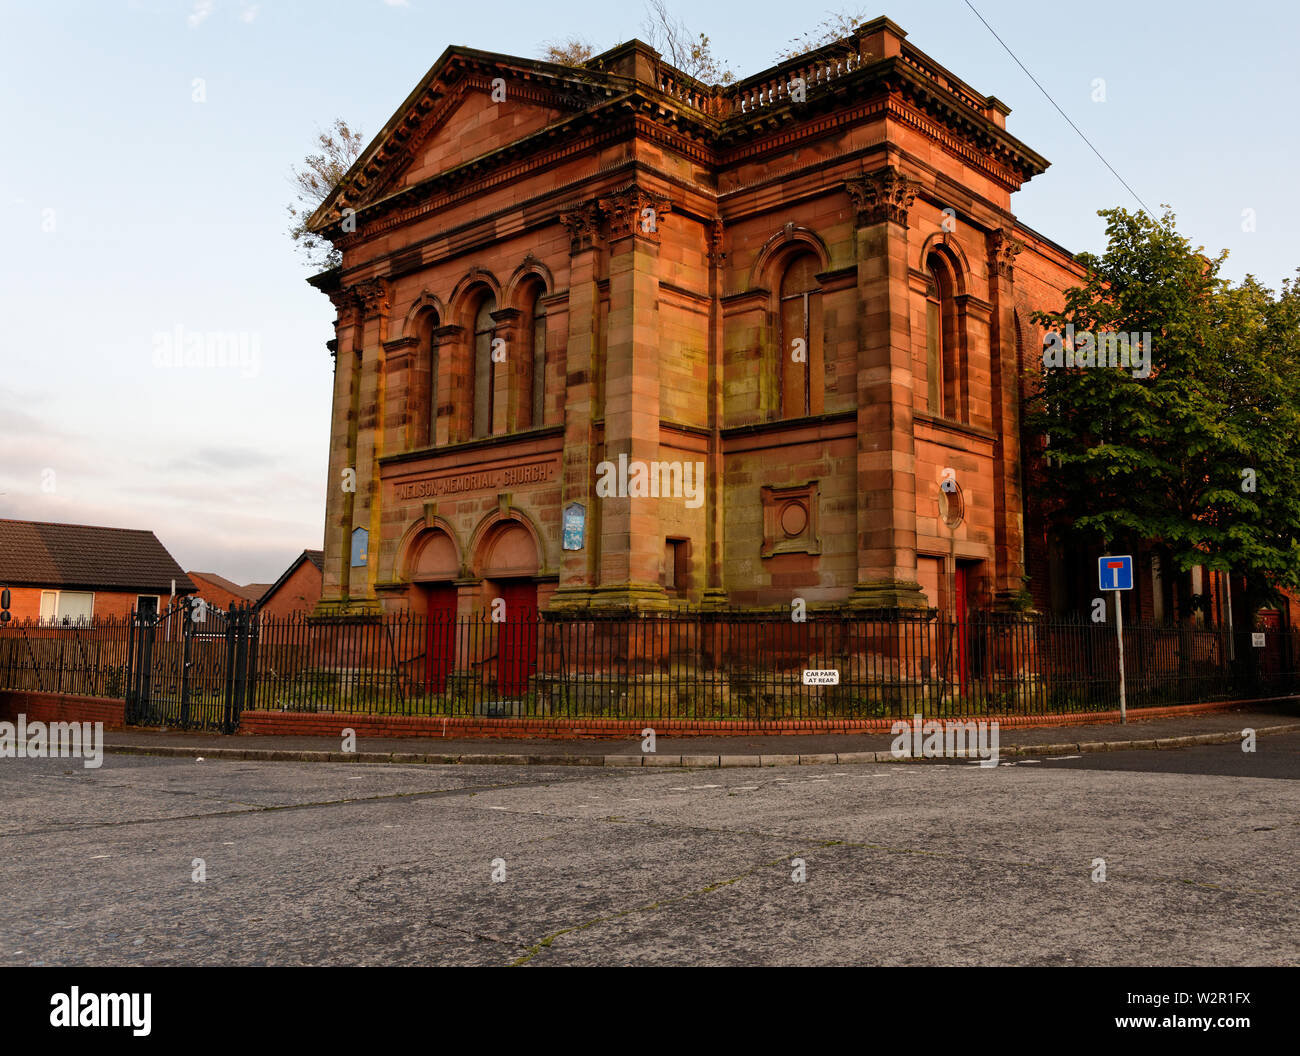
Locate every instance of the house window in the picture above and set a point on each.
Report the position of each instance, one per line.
(67, 606)
(676, 565)
(146, 605)
(484, 367)
(799, 303)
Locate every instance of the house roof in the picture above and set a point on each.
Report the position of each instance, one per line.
(316, 557)
(83, 556)
(249, 592)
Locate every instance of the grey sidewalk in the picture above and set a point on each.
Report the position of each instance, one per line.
(705, 751)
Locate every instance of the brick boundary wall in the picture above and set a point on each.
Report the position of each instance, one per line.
(67, 707)
(331, 724)
(61, 707)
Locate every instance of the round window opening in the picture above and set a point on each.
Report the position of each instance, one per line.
(794, 519)
(952, 506)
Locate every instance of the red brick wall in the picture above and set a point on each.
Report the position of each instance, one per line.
(302, 724)
(25, 603)
(61, 707)
(215, 594)
(301, 591)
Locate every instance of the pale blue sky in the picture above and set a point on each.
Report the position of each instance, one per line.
(168, 212)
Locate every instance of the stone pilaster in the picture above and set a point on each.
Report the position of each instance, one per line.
(1008, 497)
(886, 462)
(582, 355)
(631, 548)
(453, 416)
(715, 594)
(342, 458)
(511, 399)
(373, 298)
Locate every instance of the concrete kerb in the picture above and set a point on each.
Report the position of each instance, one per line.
(705, 762)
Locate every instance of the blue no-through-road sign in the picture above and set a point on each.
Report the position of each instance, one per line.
(1115, 572)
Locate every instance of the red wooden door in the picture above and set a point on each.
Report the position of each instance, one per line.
(517, 641)
(962, 587)
(440, 636)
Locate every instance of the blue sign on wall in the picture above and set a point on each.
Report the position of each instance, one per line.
(575, 525)
(1115, 573)
(360, 544)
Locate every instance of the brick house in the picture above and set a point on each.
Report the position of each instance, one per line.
(70, 573)
(298, 589)
(222, 593)
(608, 338)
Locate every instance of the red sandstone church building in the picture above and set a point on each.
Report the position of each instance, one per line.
(612, 339)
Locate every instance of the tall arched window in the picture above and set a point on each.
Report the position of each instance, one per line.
(943, 342)
(423, 406)
(484, 367)
(800, 301)
(537, 373)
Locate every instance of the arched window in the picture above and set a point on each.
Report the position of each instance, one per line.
(485, 377)
(942, 340)
(423, 406)
(537, 372)
(800, 303)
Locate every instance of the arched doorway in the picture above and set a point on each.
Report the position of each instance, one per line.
(434, 564)
(508, 566)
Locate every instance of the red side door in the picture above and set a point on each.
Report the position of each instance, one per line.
(517, 641)
(962, 587)
(440, 636)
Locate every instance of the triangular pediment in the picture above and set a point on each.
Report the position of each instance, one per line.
(470, 105)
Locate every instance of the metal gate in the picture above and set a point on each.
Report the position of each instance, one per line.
(192, 666)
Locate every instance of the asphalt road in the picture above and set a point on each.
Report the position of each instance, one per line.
(904, 864)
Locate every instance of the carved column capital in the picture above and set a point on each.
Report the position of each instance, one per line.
(582, 220)
(1003, 249)
(885, 194)
(716, 253)
(347, 306)
(635, 211)
(373, 296)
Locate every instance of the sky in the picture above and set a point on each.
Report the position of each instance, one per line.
(146, 175)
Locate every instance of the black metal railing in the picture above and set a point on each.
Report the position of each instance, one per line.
(706, 666)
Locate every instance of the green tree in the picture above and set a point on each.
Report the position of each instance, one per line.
(1170, 458)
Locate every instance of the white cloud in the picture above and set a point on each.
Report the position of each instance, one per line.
(202, 8)
(249, 12)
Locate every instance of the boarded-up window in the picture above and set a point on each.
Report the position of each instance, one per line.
(539, 363)
(800, 299)
(484, 374)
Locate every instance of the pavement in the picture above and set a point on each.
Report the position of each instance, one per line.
(803, 749)
(1126, 857)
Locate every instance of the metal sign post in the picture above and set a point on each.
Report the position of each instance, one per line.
(1116, 573)
(1119, 638)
